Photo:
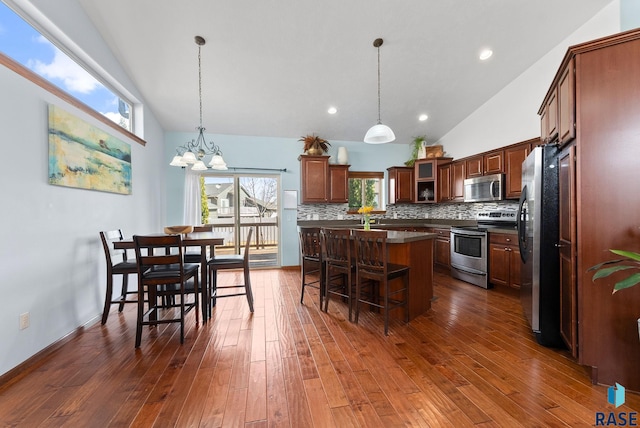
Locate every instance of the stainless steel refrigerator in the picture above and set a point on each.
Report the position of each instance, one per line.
(538, 229)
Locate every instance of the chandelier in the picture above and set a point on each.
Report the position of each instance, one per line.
(379, 134)
(192, 152)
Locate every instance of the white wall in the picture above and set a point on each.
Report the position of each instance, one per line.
(278, 153)
(52, 261)
(511, 115)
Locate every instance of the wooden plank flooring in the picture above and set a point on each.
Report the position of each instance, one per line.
(470, 361)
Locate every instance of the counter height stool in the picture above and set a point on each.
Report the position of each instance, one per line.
(372, 264)
(339, 267)
(311, 261)
(117, 264)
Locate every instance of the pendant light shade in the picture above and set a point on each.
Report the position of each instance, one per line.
(379, 134)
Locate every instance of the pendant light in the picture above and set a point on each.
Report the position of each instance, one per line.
(379, 134)
(192, 152)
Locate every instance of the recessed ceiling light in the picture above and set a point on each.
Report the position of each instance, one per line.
(485, 54)
(423, 117)
(332, 110)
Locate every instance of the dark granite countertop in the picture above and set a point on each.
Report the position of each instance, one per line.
(381, 223)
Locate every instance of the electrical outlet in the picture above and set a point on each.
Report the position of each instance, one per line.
(24, 320)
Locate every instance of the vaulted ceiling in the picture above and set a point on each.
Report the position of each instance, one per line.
(273, 68)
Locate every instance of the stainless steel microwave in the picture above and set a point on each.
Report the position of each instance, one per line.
(485, 188)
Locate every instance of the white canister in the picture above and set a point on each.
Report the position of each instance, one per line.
(343, 157)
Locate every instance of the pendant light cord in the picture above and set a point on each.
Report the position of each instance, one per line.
(200, 83)
(379, 120)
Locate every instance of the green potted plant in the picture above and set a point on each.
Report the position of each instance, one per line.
(314, 145)
(416, 145)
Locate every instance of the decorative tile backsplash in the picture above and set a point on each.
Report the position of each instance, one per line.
(452, 211)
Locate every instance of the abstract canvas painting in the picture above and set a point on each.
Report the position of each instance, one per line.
(83, 156)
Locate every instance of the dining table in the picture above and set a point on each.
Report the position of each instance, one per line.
(204, 240)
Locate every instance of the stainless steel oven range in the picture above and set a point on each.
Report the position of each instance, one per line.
(470, 246)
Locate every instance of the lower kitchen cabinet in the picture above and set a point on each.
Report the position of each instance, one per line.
(442, 248)
(504, 260)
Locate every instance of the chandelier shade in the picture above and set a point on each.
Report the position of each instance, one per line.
(379, 133)
(194, 151)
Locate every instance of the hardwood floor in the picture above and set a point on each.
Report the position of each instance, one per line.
(470, 361)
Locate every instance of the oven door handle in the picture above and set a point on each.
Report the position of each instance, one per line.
(467, 269)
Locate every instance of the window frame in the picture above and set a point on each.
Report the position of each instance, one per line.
(364, 175)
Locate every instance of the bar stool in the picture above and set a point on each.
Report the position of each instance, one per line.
(372, 264)
(311, 261)
(339, 268)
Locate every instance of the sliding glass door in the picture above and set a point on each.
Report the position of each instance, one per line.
(235, 203)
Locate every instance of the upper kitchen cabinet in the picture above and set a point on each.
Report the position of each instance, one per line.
(426, 179)
(558, 112)
(321, 182)
(451, 181)
(493, 162)
(485, 164)
(513, 158)
(401, 184)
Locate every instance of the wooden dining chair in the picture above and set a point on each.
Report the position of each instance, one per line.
(117, 264)
(311, 263)
(168, 281)
(233, 261)
(372, 264)
(338, 266)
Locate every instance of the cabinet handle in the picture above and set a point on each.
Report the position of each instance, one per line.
(508, 239)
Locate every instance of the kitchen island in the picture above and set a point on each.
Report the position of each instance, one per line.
(414, 249)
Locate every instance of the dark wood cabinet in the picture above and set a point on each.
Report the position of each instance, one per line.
(401, 184)
(549, 117)
(444, 183)
(493, 162)
(339, 183)
(426, 179)
(321, 182)
(513, 158)
(474, 166)
(568, 286)
(314, 179)
(442, 248)
(567, 105)
(458, 174)
(598, 202)
(504, 260)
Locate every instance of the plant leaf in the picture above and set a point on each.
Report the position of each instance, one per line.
(604, 272)
(629, 254)
(599, 265)
(630, 281)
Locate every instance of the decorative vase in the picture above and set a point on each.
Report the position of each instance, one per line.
(315, 151)
(343, 157)
(367, 225)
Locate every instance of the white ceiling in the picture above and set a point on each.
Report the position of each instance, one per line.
(273, 68)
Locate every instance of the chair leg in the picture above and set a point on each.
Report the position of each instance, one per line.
(107, 299)
(139, 316)
(247, 287)
(213, 285)
(302, 274)
(386, 307)
(182, 313)
(125, 290)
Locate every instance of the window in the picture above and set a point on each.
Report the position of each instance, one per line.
(25, 45)
(365, 188)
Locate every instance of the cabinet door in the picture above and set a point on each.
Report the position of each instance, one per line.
(444, 183)
(314, 177)
(550, 116)
(567, 105)
(425, 169)
(568, 256)
(339, 183)
(401, 185)
(498, 264)
(515, 265)
(457, 180)
(513, 159)
(442, 244)
(494, 162)
(474, 166)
